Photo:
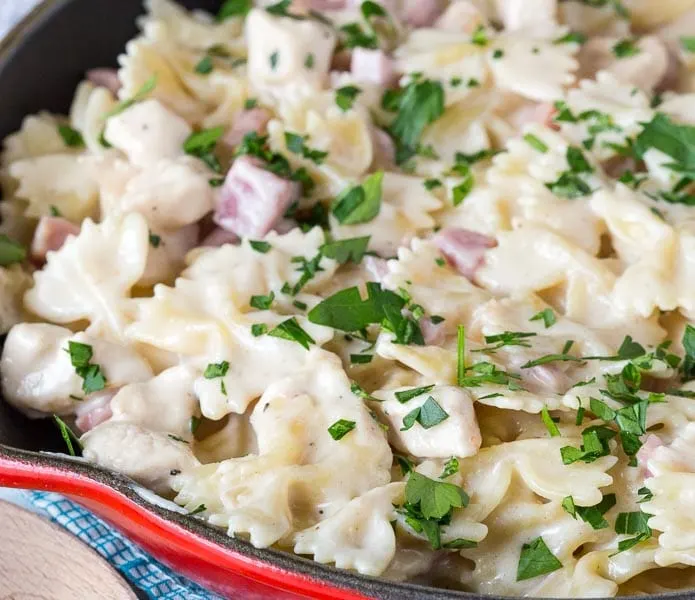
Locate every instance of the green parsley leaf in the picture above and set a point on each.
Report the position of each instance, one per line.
(279, 9)
(309, 61)
(361, 359)
(626, 48)
(205, 66)
(345, 97)
(536, 143)
(569, 185)
(431, 184)
(193, 424)
(214, 370)
(676, 141)
(262, 302)
(201, 144)
(450, 468)
(688, 43)
(344, 251)
(10, 251)
(360, 204)
(580, 415)
(155, 240)
(259, 329)
(630, 349)
(140, 95)
(292, 330)
(234, 8)
(536, 559)
(601, 409)
(259, 246)
(569, 506)
(633, 522)
(479, 37)
(547, 316)
(497, 54)
(461, 355)
(460, 544)
(593, 515)
(404, 463)
(508, 338)
(341, 428)
(688, 341)
(296, 144)
(406, 395)
(93, 378)
(461, 191)
(54, 211)
(577, 161)
(199, 509)
(420, 104)
(80, 354)
(573, 37)
(372, 9)
(645, 493)
(356, 37)
(68, 435)
(550, 425)
(594, 446)
(71, 137)
(431, 414)
(436, 499)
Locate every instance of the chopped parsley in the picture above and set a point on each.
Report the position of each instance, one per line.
(344, 251)
(573, 37)
(547, 316)
(309, 61)
(155, 240)
(10, 251)
(418, 105)
(461, 191)
(215, 370)
(593, 515)
(345, 97)
(428, 415)
(626, 48)
(479, 37)
(460, 355)
(632, 523)
(407, 395)
(594, 446)
(296, 144)
(193, 424)
(259, 329)
(450, 468)
(536, 143)
(93, 379)
(259, 246)
(205, 66)
(140, 95)
(550, 425)
(341, 428)
(262, 302)
(201, 144)
(431, 184)
(361, 359)
(361, 203)
(676, 141)
(536, 559)
(234, 8)
(497, 54)
(71, 137)
(645, 494)
(273, 59)
(507, 338)
(291, 330)
(688, 43)
(429, 504)
(68, 435)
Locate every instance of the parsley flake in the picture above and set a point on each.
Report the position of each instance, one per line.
(344, 251)
(345, 97)
(536, 143)
(10, 251)
(68, 435)
(341, 428)
(428, 415)
(536, 559)
(450, 468)
(291, 330)
(71, 137)
(406, 395)
(205, 66)
(626, 48)
(215, 370)
(234, 8)
(361, 203)
(547, 316)
(259, 246)
(550, 425)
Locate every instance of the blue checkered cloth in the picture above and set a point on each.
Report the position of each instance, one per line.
(145, 573)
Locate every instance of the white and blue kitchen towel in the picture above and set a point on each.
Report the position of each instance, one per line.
(152, 577)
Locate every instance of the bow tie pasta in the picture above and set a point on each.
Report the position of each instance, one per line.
(401, 286)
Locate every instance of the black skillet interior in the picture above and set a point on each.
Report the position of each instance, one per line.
(41, 63)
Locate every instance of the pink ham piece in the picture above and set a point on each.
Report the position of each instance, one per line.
(372, 66)
(50, 235)
(463, 249)
(247, 121)
(423, 13)
(647, 451)
(252, 200)
(546, 379)
(219, 237)
(384, 151)
(95, 410)
(106, 78)
(542, 113)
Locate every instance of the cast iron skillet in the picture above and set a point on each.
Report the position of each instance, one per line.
(41, 62)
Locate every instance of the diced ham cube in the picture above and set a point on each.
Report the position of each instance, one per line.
(253, 200)
(95, 410)
(106, 78)
(247, 121)
(372, 66)
(50, 235)
(542, 113)
(461, 17)
(434, 335)
(464, 249)
(423, 13)
(376, 267)
(219, 237)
